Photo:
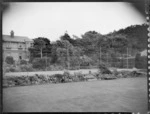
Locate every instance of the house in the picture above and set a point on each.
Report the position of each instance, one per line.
(16, 46)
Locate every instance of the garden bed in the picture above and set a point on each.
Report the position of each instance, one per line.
(66, 77)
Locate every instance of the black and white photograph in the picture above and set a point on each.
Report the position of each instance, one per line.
(74, 57)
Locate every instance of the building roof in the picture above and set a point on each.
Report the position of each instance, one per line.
(16, 38)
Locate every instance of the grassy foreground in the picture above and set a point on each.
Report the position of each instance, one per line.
(126, 95)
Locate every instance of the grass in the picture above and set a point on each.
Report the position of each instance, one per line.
(122, 95)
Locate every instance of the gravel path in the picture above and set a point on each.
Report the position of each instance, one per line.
(125, 95)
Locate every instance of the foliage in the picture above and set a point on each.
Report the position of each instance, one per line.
(59, 78)
(136, 34)
(41, 47)
(93, 45)
(66, 37)
(54, 56)
(9, 60)
(26, 68)
(18, 68)
(11, 69)
(22, 62)
(9, 81)
(103, 69)
(89, 41)
(39, 63)
(141, 61)
(55, 67)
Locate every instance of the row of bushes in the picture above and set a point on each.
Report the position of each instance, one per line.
(65, 77)
(41, 79)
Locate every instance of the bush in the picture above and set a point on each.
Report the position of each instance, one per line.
(25, 68)
(23, 62)
(10, 69)
(103, 69)
(66, 73)
(19, 68)
(43, 78)
(58, 78)
(9, 60)
(34, 80)
(115, 72)
(39, 63)
(79, 76)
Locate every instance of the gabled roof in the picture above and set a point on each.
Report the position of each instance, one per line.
(16, 38)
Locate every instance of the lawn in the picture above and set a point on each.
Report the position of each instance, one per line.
(125, 95)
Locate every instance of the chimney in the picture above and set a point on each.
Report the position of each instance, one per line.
(12, 33)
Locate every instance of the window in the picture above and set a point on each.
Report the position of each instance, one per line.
(20, 46)
(8, 45)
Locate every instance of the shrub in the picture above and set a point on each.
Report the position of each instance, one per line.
(59, 78)
(33, 79)
(25, 68)
(96, 75)
(23, 62)
(11, 69)
(79, 76)
(39, 63)
(103, 69)
(43, 78)
(115, 72)
(124, 74)
(20, 68)
(66, 73)
(67, 77)
(9, 60)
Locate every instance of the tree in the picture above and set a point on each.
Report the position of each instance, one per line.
(64, 51)
(39, 44)
(54, 52)
(86, 61)
(140, 61)
(136, 34)
(40, 63)
(89, 41)
(68, 38)
(42, 46)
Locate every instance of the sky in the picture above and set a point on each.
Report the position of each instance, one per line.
(53, 19)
